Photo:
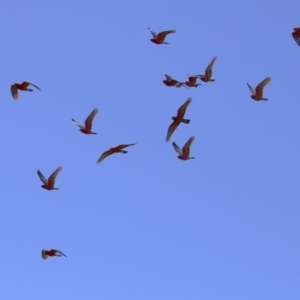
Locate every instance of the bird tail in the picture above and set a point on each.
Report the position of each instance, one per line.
(124, 151)
(186, 121)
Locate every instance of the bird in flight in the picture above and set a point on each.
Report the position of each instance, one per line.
(52, 252)
(178, 119)
(184, 153)
(296, 35)
(192, 81)
(88, 123)
(118, 149)
(208, 72)
(22, 87)
(49, 184)
(169, 81)
(257, 93)
(160, 37)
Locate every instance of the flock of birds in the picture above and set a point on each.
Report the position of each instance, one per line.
(184, 152)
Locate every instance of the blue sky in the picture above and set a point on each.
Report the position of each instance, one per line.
(147, 225)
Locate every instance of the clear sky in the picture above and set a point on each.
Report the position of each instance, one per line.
(146, 225)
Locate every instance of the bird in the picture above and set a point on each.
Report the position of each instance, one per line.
(208, 72)
(184, 153)
(52, 252)
(118, 149)
(160, 37)
(192, 81)
(296, 35)
(88, 123)
(257, 94)
(49, 184)
(179, 118)
(169, 81)
(22, 87)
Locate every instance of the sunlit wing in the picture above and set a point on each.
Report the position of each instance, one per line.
(51, 179)
(261, 85)
(182, 109)
(42, 178)
(122, 146)
(177, 149)
(44, 255)
(89, 119)
(78, 124)
(161, 36)
(208, 70)
(187, 145)
(104, 155)
(171, 130)
(14, 92)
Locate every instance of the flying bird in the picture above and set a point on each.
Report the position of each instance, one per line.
(22, 87)
(88, 123)
(178, 119)
(49, 184)
(192, 81)
(184, 153)
(169, 81)
(160, 37)
(257, 94)
(52, 252)
(296, 35)
(118, 149)
(208, 72)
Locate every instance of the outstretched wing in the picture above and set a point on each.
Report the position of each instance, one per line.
(78, 124)
(153, 33)
(104, 155)
(14, 92)
(182, 109)
(187, 145)
(89, 119)
(51, 179)
(161, 36)
(168, 77)
(251, 89)
(29, 83)
(177, 149)
(208, 70)
(57, 251)
(42, 178)
(122, 146)
(171, 130)
(261, 85)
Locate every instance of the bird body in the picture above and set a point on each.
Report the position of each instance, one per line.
(192, 79)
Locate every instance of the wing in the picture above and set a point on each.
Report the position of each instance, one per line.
(14, 92)
(260, 86)
(297, 40)
(161, 36)
(33, 85)
(168, 77)
(57, 251)
(182, 109)
(104, 155)
(78, 124)
(42, 178)
(208, 70)
(153, 33)
(89, 119)
(44, 255)
(177, 149)
(171, 130)
(122, 146)
(51, 179)
(187, 145)
(251, 89)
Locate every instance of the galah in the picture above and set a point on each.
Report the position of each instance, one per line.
(169, 81)
(257, 93)
(22, 87)
(208, 72)
(88, 123)
(192, 81)
(184, 153)
(118, 149)
(160, 37)
(52, 252)
(179, 118)
(49, 184)
(296, 35)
